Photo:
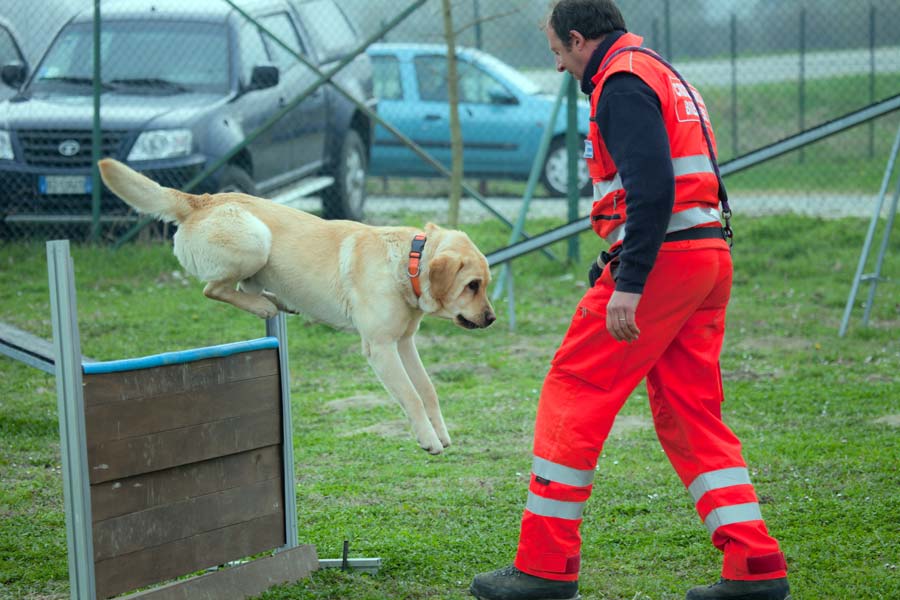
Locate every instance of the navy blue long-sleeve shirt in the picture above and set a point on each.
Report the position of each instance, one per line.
(629, 116)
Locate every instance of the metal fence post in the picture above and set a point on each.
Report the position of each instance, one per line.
(872, 41)
(573, 189)
(801, 81)
(96, 133)
(735, 143)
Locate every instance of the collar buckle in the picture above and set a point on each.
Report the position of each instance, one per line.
(415, 256)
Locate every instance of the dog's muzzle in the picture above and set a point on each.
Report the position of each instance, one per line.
(489, 318)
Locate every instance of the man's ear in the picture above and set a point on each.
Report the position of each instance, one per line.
(576, 40)
(442, 270)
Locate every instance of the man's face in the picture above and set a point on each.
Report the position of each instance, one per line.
(567, 59)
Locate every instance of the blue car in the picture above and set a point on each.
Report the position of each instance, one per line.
(502, 112)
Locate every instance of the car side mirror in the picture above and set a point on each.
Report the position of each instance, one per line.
(263, 77)
(14, 74)
(501, 96)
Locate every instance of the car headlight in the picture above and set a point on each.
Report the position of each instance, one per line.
(162, 143)
(6, 149)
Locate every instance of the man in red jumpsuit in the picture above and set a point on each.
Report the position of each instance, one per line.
(655, 310)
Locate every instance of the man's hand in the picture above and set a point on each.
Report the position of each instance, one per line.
(620, 311)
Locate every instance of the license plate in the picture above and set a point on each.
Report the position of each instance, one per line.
(54, 185)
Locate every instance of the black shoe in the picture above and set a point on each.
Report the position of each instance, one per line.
(731, 589)
(512, 584)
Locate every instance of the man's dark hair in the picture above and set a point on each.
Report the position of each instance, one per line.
(591, 18)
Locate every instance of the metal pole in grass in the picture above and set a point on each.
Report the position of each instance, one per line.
(511, 300)
(879, 263)
(96, 133)
(870, 234)
(70, 404)
(533, 177)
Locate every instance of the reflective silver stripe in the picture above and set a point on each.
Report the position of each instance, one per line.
(562, 474)
(686, 165)
(616, 235)
(546, 507)
(727, 515)
(685, 219)
(602, 188)
(715, 480)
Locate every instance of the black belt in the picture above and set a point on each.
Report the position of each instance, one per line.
(696, 233)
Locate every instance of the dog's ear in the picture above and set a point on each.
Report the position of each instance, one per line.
(442, 270)
(431, 228)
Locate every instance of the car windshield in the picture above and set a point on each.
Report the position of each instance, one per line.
(163, 57)
(515, 77)
(8, 50)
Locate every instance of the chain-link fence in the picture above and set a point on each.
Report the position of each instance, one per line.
(215, 95)
(204, 96)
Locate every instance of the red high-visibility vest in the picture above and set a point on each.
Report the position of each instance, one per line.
(696, 184)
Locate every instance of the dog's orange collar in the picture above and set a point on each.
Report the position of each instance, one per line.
(415, 256)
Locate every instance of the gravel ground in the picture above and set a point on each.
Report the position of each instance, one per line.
(435, 209)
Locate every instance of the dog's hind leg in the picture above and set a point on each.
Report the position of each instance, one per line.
(386, 362)
(422, 382)
(226, 291)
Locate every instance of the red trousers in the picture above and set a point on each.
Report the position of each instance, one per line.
(681, 317)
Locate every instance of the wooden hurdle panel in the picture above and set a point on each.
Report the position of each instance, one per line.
(175, 463)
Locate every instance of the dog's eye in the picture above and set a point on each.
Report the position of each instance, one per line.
(473, 285)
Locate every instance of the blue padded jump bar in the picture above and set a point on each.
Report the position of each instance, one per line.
(180, 357)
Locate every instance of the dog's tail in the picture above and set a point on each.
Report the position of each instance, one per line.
(145, 195)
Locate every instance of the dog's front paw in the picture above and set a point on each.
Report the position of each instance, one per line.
(444, 437)
(278, 303)
(430, 443)
(263, 308)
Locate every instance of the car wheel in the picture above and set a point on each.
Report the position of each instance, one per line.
(345, 198)
(236, 179)
(555, 174)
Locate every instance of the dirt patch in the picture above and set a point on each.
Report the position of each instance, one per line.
(543, 349)
(769, 342)
(386, 429)
(891, 420)
(400, 428)
(745, 373)
(474, 369)
(364, 401)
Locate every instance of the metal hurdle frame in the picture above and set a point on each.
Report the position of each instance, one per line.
(73, 439)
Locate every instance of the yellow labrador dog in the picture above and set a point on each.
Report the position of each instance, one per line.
(379, 281)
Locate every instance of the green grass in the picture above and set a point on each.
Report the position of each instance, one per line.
(818, 416)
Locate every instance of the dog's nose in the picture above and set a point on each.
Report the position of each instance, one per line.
(489, 318)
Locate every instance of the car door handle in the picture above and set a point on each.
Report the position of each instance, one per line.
(432, 117)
